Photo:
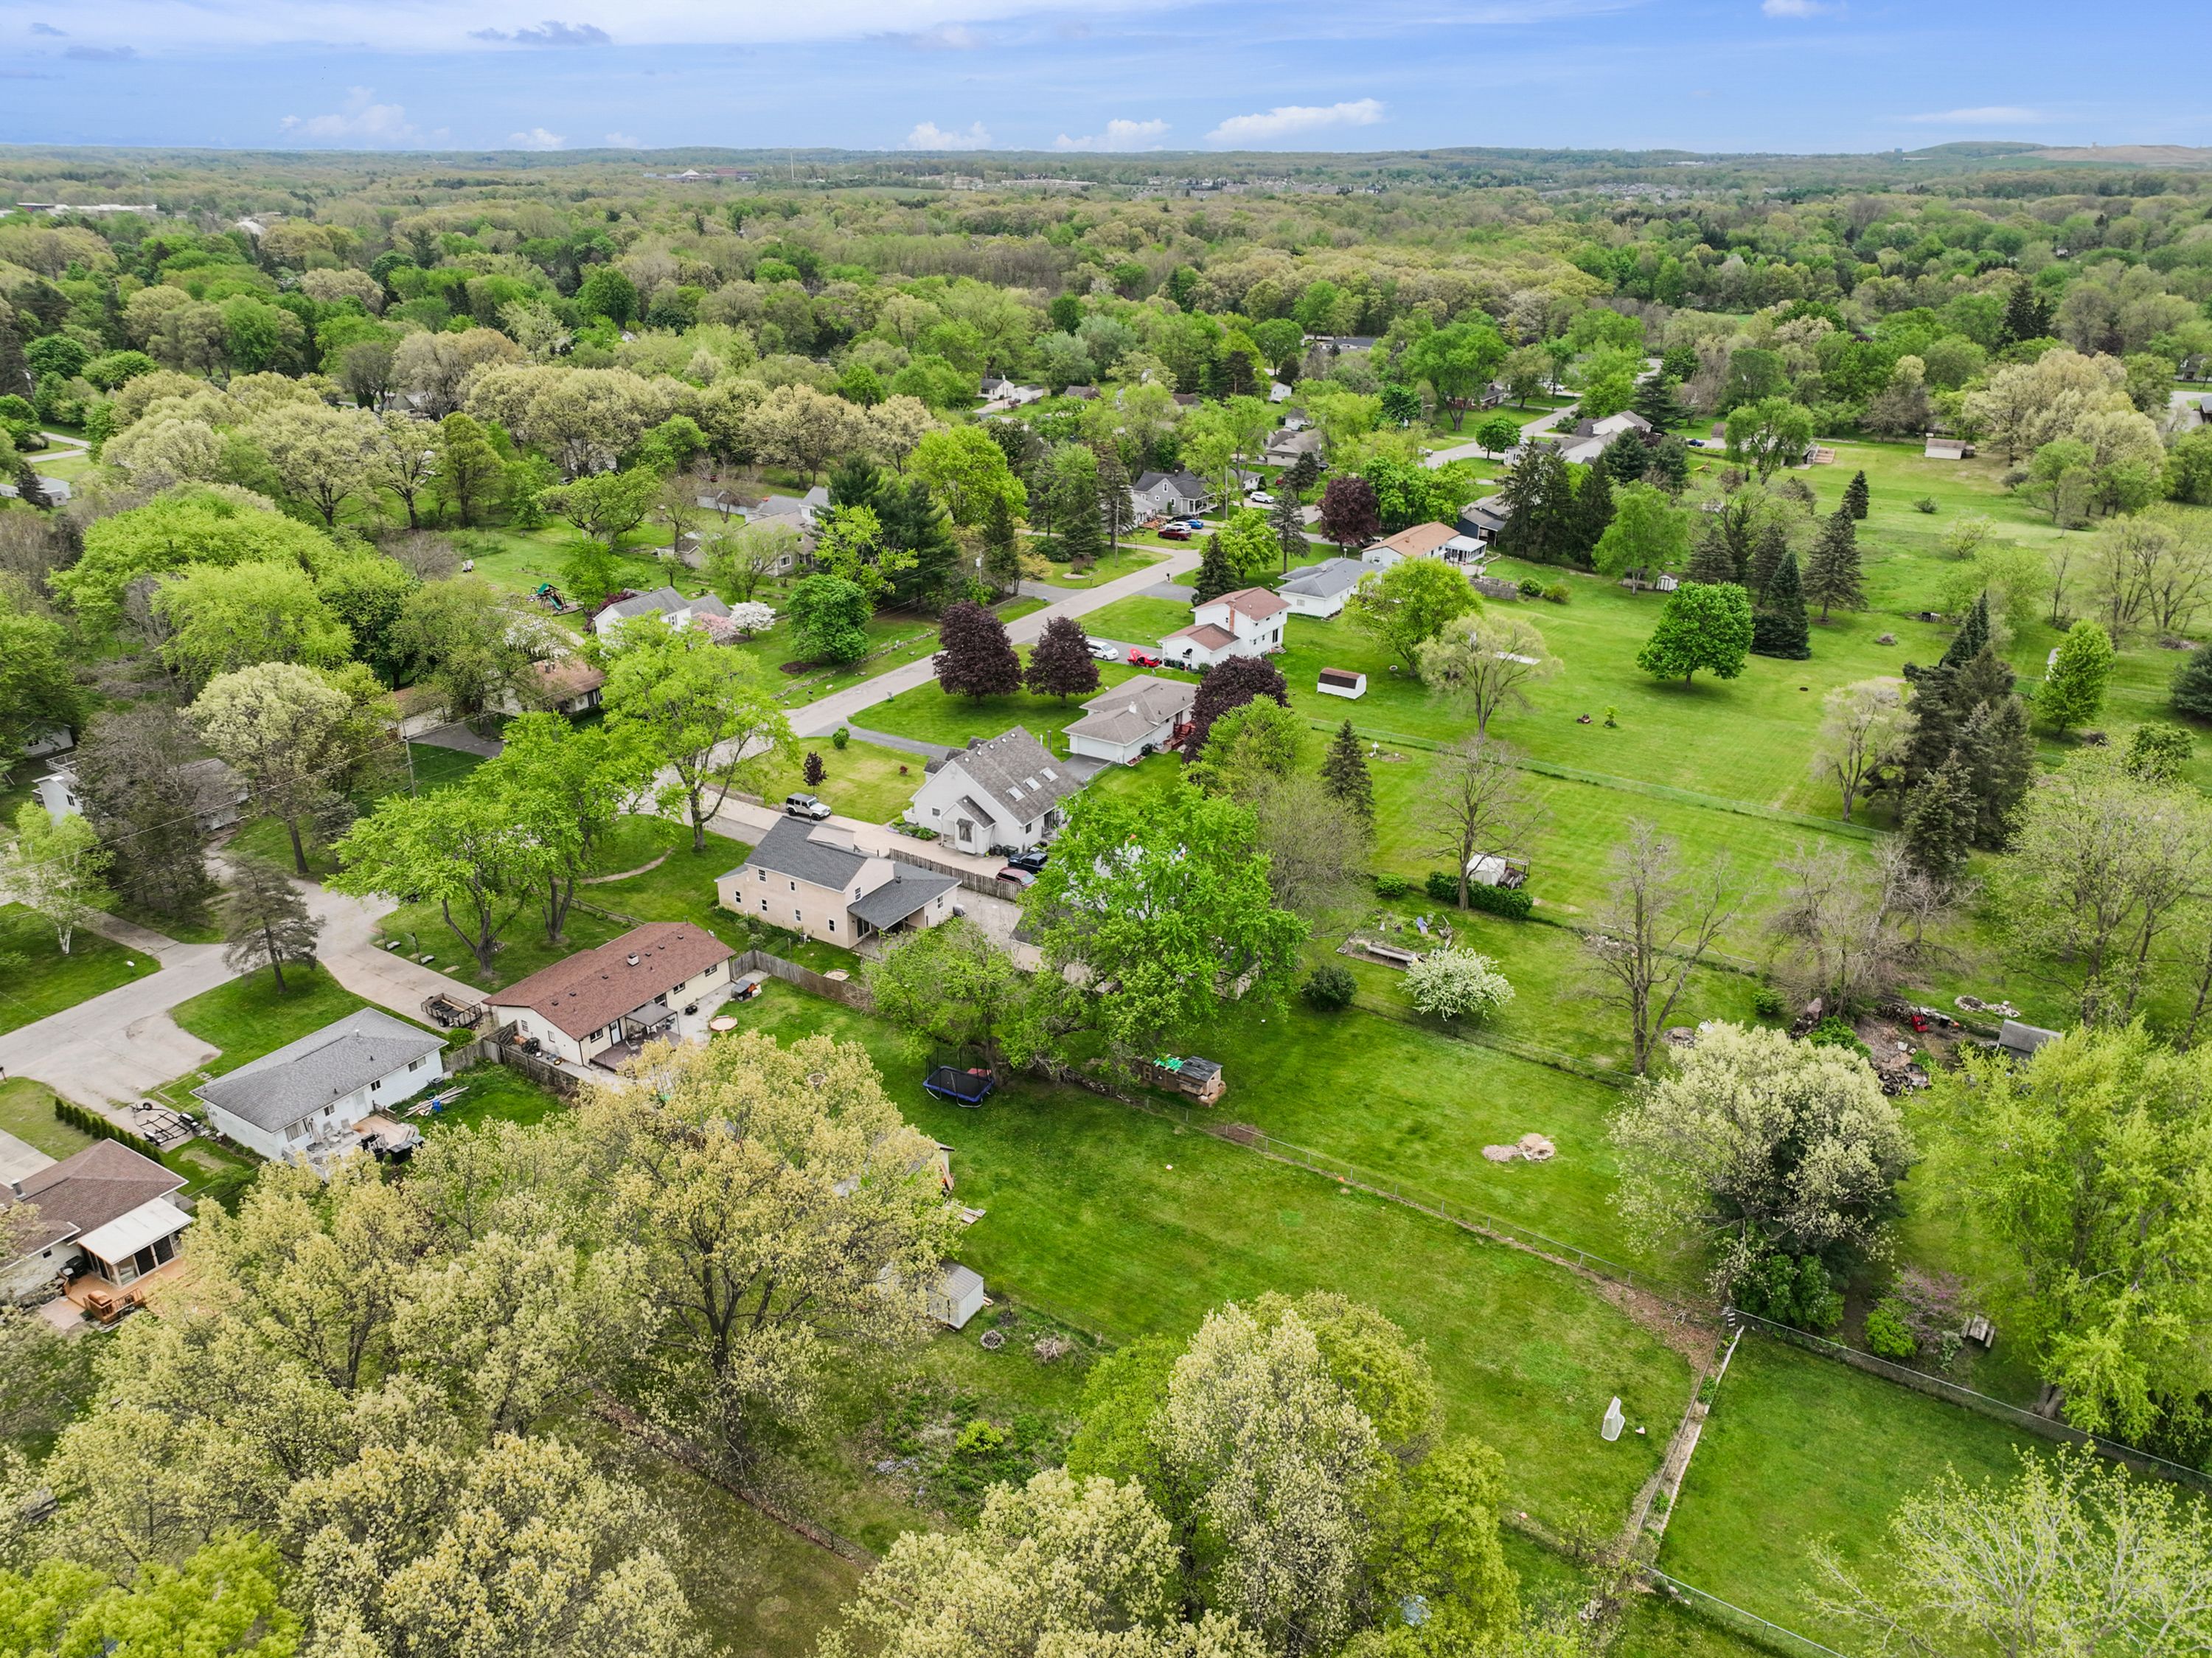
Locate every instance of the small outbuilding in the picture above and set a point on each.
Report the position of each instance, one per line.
(957, 1297)
(2022, 1041)
(1344, 682)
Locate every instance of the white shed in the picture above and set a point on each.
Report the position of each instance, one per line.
(1344, 682)
(957, 1297)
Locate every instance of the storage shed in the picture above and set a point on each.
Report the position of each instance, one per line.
(957, 1297)
(1342, 682)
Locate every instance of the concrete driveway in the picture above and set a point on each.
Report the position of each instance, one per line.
(111, 1050)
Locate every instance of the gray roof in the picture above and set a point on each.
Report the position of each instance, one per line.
(1325, 579)
(1191, 488)
(327, 1064)
(1014, 773)
(899, 896)
(1134, 707)
(658, 602)
(792, 848)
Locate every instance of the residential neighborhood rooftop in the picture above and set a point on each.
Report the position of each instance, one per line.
(1015, 770)
(594, 988)
(82, 1193)
(327, 1064)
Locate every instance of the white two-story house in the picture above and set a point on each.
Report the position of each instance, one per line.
(1002, 791)
(1246, 623)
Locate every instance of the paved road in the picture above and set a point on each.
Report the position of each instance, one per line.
(843, 707)
(348, 947)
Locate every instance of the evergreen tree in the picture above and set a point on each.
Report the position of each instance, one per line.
(1766, 555)
(1540, 495)
(1060, 662)
(811, 771)
(1593, 511)
(1939, 823)
(1778, 628)
(1972, 637)
(1668, 465)
(1855, 497)
(2027, 315)
(1216, 575)
(1625, 460)
(1997, 750)
(2191, 693)
(1304, 473)
(14, 367)
(1657, 402)
(977, 660)
(265, 922)
(1710, 560)
(1002, 553)
(1286, 519)
(131, 778)
(1833, 577)
(916, 523)
(1344, 775)
(853, 482)
(1114, 504)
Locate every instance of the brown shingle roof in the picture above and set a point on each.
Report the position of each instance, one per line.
(1205, 633)
(1257, 603)
(98, 1184)
(570, 676)
(1421, 542)
(594, 988)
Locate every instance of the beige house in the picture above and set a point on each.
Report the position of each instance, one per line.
(810, 878)
(1131, 719)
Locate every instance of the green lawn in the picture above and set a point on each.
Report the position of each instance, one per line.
(492, 1094)
(1800, 1449)
(1122, 1224)
(860, 780)
(928, 715)
(1138, 621)
(246, 1017)
(27, 1110)
(1123, 561)
(48, 982)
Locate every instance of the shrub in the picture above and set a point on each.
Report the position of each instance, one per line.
(1557, 592)
(1531, 588)
(1887, 1334)
(840, 736)
(1456, 984)
(1511, 902)
(92, 1123)
(1925, 504)
(1766, 1002)
(1834, 1033)
(1392, 887)
(1332, 987)
(980, 1438)
(1787, 1290)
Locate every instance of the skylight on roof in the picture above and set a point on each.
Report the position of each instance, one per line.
(1031, 781)
(1050, 775)
(1014, 789)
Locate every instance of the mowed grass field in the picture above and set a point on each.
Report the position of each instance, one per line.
(1124, 1224)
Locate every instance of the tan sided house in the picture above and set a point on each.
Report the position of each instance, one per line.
(1131, 719)
(106, 1210)
(661, 982)
(810, 878)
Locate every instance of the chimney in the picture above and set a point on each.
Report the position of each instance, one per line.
(633, 958)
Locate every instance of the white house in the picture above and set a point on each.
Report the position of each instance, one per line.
(301, 1103)
(108, 1207)
(52, 741)
(218, 795)
(672, 606)
(1321, 590)
(813, 879)
(1170, 495)
(1246, 623)
(1002, 791)
(661, 982)
(1286, 445)
(799, 511)
(1129, 720)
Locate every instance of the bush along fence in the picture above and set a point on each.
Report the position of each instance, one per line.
(1942, 1388)
(92, 1123)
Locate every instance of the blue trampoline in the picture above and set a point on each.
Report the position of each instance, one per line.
(963, 1087)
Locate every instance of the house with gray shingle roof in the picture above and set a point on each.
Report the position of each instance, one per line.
(672, 606)
(1321, 589)
(813, 879)
(107, 1203)
(1128, 721)
(300, 1104)
(1003, 791)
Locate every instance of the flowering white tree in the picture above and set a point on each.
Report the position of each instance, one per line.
(751, 618)
(1457, 983)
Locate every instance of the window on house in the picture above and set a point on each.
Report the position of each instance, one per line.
(763, 906)
(794, 885)
(833, 924)
(798, 916)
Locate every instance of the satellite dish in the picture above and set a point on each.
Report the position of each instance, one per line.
(1613, 1421)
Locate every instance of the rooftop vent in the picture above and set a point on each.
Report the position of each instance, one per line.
(633, 958)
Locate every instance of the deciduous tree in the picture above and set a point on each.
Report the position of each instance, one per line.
(276, 725)
(56, 867)
(977, 659)
(1482, 663)
(2073, 692)
(1863, 729)
(1703, 626)
(1477, 806)
(1060, 663)
(1231, 683)
(1659, 920)
(704, 713)
(1407, 606)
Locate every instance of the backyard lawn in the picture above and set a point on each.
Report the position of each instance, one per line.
(246, 1017)
(1801, 1450)
(1124, 560)
(928, 715)
(1124, 1224)
(46, 981)
(490, 1093)
(1140, 620)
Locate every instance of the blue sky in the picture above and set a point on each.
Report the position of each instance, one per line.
(1126, 75)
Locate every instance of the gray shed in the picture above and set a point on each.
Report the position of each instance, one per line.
(957, 1297)
(2022, 1040)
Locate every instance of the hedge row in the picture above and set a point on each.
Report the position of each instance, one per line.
(1511, 901)
(92, 1123)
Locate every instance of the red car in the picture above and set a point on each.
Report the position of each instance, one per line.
(1142, 658)
(1176, 532)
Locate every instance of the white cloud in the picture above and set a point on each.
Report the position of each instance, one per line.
(361, 120)
(945, 37)
(1118, 135)
(537, 139)
(548, 33)
(1793, 8)
(1287, 120)
(48, 28)
(929, 135)
(624, 141)
(1986, 115)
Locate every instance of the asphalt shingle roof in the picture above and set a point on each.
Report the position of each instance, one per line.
(1327, 579)
(594, 988)
(1014, 769)
(791, 847)
(899, 896)
(83, 1192)
(302, 1076)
